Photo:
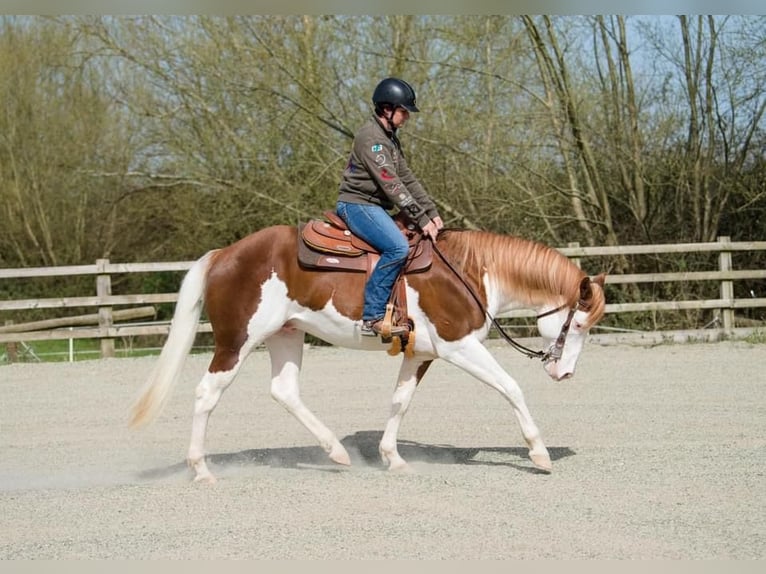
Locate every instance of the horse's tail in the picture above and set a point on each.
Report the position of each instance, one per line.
(183, 328)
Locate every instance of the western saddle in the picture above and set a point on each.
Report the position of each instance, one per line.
(329, 245)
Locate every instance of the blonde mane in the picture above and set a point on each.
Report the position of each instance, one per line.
(532, 272)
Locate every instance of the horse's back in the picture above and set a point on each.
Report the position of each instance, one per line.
(238, 272)
(252, 258)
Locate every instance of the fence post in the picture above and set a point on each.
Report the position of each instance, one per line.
(105, 320)
(11, 348)
(576, 260)
(727, 286)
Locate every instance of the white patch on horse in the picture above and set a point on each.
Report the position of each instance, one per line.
(271, 314)
(277, 311)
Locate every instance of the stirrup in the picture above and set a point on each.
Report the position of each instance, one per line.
(387, 327)
(378, 328)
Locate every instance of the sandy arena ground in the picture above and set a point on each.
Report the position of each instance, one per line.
(657, 452)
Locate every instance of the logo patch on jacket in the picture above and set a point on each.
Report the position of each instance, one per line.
(376, 148)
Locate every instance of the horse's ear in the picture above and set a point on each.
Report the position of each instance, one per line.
(584, 288)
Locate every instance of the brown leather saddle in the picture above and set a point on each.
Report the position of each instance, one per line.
(329, 245)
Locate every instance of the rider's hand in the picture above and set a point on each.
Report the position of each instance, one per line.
(431, 230)
(439, 223)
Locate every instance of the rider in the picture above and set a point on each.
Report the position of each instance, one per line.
(375, 180)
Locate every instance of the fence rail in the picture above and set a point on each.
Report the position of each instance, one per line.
(106, 328)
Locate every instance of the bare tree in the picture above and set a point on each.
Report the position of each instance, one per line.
(59, 126)
(169, 135)
(586, 191)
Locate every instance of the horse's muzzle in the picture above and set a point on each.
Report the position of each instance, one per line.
(553, 372)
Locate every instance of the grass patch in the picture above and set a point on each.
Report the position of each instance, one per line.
(757, 337)
(54, 351)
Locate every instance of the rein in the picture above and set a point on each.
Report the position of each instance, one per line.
(552, 354)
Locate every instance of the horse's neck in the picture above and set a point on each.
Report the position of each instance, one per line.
(518, 273)
(501, 302)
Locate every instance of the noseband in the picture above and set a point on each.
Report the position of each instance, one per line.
(553, 354)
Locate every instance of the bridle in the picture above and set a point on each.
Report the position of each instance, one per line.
(553, 354)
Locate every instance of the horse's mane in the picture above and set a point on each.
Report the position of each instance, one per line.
(533, 272)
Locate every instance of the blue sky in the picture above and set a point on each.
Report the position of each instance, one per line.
(378, 7)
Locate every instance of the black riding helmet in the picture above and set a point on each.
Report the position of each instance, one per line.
(395, 92)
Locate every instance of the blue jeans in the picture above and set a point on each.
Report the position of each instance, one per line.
(373, 224)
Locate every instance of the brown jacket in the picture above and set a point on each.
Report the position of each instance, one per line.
(377, 173)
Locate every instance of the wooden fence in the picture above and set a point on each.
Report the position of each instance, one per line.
(107, 326)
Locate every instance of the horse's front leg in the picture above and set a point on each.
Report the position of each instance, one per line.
(474, 358)
(410, 374)
(286, 352)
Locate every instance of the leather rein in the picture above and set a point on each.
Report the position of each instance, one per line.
(553, 353)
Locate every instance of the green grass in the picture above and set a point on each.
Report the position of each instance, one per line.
(82, 350)
(757, 337)
(59, 351)
(90, 349)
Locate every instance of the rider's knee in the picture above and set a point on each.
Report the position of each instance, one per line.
(400, 251)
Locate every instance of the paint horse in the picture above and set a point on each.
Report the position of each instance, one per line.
(256, 292)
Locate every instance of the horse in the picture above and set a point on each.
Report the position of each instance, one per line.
(255, 292)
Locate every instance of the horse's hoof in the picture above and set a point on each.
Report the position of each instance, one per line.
(205, 479)
(542, 462)
(340, 456)
(401, 468)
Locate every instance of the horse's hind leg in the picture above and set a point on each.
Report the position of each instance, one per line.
(286, 351)
(207, 395)
(410, 373)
